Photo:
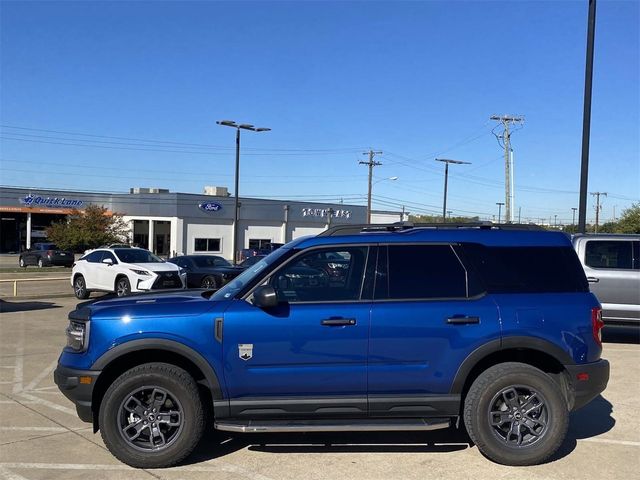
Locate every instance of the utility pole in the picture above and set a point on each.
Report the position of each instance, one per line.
(506, 121)
(371, 163)
(598, 206)
(446, 162)
(555, 220)
(500, 204)
(519, 214)
(586, 118)
(573, 222)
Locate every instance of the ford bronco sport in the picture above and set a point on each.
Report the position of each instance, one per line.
(417, 328)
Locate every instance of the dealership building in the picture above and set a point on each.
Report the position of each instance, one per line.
(170, 223)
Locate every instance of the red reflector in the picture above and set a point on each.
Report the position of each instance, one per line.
(583, 377)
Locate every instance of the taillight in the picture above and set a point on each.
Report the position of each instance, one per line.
(597, 324)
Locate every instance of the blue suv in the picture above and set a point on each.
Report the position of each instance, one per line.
(361, 328)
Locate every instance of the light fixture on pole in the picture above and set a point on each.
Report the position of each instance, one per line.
(446, 179)
(392, 179)
(243, 126)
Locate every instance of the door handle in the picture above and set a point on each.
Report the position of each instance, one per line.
(593, 279)
(463, 320)
(338, 322)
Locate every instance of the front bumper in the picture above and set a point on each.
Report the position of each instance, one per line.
(587, 381)
(77, 386)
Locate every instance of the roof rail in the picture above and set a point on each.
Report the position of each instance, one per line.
(365, 228)
(402, 226)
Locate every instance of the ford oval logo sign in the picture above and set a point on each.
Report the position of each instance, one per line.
(209, 206)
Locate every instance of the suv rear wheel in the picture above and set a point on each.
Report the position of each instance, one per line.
(516, 414)
(152, 416)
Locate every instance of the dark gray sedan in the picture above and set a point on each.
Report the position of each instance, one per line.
(206, 271)
(46, 255)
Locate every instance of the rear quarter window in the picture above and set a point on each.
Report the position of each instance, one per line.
(527, 269)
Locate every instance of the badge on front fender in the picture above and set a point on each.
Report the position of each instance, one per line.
(245, 351)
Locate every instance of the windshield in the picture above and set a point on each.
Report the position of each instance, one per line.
(204, 262)
(136, 255)
(246, 277)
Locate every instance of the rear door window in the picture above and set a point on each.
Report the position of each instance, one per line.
(421, 272)
(609, 254)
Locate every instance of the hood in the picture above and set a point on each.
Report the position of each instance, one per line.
(178, 303)
(157, 267)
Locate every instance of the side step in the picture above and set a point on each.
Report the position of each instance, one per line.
(365, 425)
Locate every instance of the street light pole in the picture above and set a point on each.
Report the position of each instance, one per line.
(236, 209)
(499, 210)
(446, 181)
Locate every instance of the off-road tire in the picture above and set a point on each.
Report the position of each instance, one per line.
(478, 404)
(164, 376)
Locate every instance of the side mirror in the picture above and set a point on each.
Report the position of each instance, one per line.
(108, 261)
(265, 297)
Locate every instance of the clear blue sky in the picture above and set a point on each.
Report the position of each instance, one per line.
(416, 80)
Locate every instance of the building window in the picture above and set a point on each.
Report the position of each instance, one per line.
(259, 243)
(207, 245)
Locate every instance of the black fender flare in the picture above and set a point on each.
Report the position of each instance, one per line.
(506, 343)
(166, 345)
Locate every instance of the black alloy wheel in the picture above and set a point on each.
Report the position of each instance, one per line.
(209, 283)
(518, 415)
(150, 418)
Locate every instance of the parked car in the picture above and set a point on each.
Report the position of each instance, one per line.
(492, 329)
(612, 265)
(123, 270)
(46, 255)
(206, 271)
(250, 261)
(252, 252)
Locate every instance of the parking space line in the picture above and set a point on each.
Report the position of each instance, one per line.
(628, 443)
(33, 429)
(218, 467)
(49, 404)
(41, 376)
(18, 371)
(5, 474)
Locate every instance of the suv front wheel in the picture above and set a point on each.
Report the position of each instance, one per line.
(516, 414)
(152, 416)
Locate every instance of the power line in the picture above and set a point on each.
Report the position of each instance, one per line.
(220, 147)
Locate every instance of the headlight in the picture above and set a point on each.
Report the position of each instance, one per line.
(144, 273)
(77, 335)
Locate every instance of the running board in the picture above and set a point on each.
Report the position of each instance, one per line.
(366, 425)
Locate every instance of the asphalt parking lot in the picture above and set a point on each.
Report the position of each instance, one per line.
(42, 438)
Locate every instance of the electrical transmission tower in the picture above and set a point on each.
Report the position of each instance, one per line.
(598, 206)
(371, 163)
(506, 121)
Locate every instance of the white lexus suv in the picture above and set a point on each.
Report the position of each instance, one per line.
(123, 270)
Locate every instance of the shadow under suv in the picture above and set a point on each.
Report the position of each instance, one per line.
(492, 329)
